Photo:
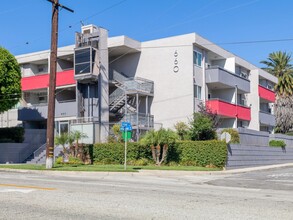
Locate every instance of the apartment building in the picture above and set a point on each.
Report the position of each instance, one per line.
(104, 80)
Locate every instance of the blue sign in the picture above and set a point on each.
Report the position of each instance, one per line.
(125, 126)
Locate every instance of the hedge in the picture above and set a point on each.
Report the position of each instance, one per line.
(16, 134)
(235, 138)
(203, 153)
(277, 143)
(114, 152)
(195, 153)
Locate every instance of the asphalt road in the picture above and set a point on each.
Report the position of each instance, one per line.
(266, 194)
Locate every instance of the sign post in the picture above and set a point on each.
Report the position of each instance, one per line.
(126, 129)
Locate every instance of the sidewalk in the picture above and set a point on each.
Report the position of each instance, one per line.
(149, 172)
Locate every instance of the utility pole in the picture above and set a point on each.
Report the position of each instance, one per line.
(52, 83)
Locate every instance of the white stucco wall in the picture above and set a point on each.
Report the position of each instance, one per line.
(253, 100)
(173, 94)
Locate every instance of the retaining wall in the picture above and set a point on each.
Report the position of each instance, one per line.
(14, 152)
(286, 138)
(252, 137)
(18, 152)
(241, 156)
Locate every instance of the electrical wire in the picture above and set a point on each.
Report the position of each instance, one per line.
(204, 16)
(70, 26)
(176, 45)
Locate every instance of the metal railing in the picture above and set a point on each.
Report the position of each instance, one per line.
(266, 86)
(117, 94)
(227, 101)
(133, 83)
(82, 120)
(140, 120)
(139, 85)
(39, 150)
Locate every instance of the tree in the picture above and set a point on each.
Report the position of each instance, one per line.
(182, 130)
(205, 110)
(77, 135)
(201, 128)
(159, 142)
(62, 140)
(70, 142)
(278, 64)
(10, 80)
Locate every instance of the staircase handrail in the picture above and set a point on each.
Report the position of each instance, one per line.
(116, 94)
(119, 77)
(39, 150)
(133, 83)
(144, 120)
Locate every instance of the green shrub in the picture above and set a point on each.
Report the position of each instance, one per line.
(201, 128)
(114, 152)
(59, 160)
(72, 161)
(277, 143)
(235, 139)
(189, 153)
(203, 153)
(75, 161)
(15, 133)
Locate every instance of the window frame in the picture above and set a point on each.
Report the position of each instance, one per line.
(197, 92)
(197, 58)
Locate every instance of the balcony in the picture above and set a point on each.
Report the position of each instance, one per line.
(266, 118)
(229, 110)
(42, 81)
(219, 78)
(40, 112)
(143, 121)
(266, 94)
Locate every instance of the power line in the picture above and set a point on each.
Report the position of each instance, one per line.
(170, 46)
(204, 16)
(70, 26)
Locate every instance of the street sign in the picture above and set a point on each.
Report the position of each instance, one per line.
(126, 135)
(226, 137)
(125, 126)
(126, 130)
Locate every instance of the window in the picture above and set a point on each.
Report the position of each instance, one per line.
(82, 61)
(197, 57)
(197, 92)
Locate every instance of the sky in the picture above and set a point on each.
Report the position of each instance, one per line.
(26, 25)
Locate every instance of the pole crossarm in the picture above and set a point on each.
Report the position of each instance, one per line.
(61, 6)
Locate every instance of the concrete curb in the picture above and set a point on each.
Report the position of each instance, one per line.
(148, 172)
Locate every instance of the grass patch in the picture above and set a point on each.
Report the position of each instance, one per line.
(107, 168)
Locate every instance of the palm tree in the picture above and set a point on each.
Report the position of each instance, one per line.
(62, 140)
(71, 140)
(77, 136)
(278, 64)
(158, 140)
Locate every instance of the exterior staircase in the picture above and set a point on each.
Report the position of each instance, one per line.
(126, 89)
(39, 156)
